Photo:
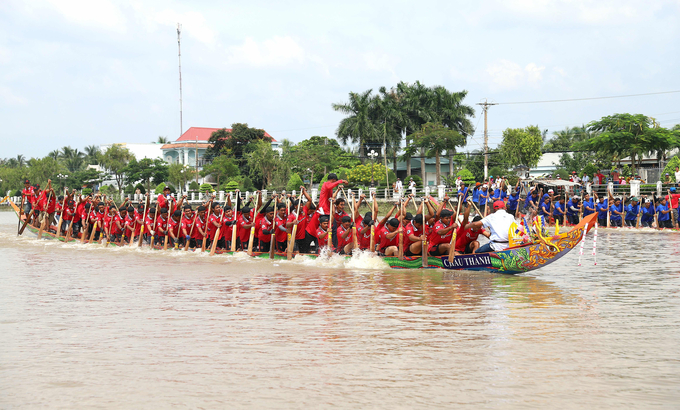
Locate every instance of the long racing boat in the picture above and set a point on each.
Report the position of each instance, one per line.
(518, 259)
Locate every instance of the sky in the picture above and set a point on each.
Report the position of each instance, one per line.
(83, 72)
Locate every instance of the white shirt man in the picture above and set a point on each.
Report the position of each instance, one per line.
(411, 184)
(498, 223)
(585, 179)
(458, 182)
(399, 186)
(677, 175)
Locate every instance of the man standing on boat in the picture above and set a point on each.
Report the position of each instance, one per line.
(498, 223)
(327, 191)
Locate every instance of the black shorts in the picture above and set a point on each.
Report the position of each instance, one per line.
(264, 246)
(435, 251)
(631, 222)
(666, 224)
(282, 246)
(407, 252)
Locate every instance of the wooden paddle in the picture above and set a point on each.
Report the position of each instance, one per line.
(400, 248)
(235, 225)
(70, 226)
(153, 227)
(141, 229)
(670, 205)
(452, 245)
(205, 227)
(272, 239)
(61, 217)
(191, 232)
(21, 213)
(291, 240)
(252, 231)
(375, 218)
(329, 242)
(108, 235)
(213, 247)
(46, 220)
(424, 246)
(355, 238)
(86, 226)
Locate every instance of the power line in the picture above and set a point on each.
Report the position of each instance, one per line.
(590, 98)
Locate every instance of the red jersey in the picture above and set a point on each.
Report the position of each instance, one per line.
(115, 229)
(212, 229)
(226, 231)
(321, 237)
(29, 195)
(364, 238)
(342, 242)
(174, 227)
(337, 217)
(303, 219)
(384, 241)
(465, 237)
(199, 225)
(409, 230)
(69, 213)
(281, 235)
(243, 232)
(161, 224)
(262, 223)
(325, 195)
(312, 224)
(435, 239)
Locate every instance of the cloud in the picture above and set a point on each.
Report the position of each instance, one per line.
(94, 13)
(276, 51)
(508, 75)
(9, 98)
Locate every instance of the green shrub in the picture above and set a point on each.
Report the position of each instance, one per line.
(589, 170)
(206, 188)
(248, 184)
(88, 191)
(294, 182)
(193, 186)
(323, 180)
(466, 176)
(159, 188)
(230, 186)
(130, 189)
(561, 172)
(670, 168)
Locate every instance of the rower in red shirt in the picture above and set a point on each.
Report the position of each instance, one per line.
(389, 237)
(440, 237)
(466, 239)
(28, 196)
(199, 230)
(344, 235)
(280, 229)
(327, 192)
(321, 234)
(264, 226)
(244, 223)
(161, 228)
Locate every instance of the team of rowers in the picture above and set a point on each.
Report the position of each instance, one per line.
(259, 225)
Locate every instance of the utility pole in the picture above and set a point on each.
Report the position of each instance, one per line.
(179, 55)
(196, 159)
(485, 107)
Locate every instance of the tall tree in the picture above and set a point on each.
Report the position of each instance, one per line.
(162, 140)
(435, 138)
(522, 146)
(93, 154)
(629, 135)
(147, 171)
(115, 159)
(263, 162)
(359, 125)
(235, 143)
(221, 167)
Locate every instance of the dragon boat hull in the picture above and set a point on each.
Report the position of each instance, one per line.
(509, 261)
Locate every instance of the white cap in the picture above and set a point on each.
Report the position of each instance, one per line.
(550, 190)
(485, 186)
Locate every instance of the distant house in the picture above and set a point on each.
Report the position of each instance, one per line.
(547, 164)
(430, 169)
(192, 143)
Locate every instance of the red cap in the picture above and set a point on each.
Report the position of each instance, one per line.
(499, 205)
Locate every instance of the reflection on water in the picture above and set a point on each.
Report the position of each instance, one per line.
(84, 326)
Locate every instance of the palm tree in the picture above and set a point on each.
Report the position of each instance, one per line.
(162, 140)
(93, 154)
(359, 126)
(433, 139)
(389, 113)
(20, 161)
(54, 154)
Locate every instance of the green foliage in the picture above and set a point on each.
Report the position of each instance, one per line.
(629, 135)
(466, 176)
(263, 162)
(294, 182)
(235, 143)
(147, 171)
(318, 154)
(323, 180)
(589, 170)
(230, 186)
(86, 191)
(247, 184)
(12, 179)
(498, 172)
(129, 189)
(194, 186)
(206, 188)
(116, 159)
(105, 189)
(522, 146)
(40, 170)
(626, 172)
(361, 174)
(563, 173)
(670, 167)
(159, 188)
(221, 167)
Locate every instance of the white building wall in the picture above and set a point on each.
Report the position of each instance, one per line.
(140, 151)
